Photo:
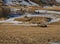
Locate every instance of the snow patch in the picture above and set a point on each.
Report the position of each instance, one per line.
(54, 42)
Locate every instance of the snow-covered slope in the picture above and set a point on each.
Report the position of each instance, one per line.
(58, 1)
(28, 3)
(34, 4)
(25, 3)
(22, 2)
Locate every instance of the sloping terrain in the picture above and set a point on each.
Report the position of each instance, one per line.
(28, 3)
(31, 19)
(46, 2)
(17, 34)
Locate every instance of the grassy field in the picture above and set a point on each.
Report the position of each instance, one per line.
(11, 34)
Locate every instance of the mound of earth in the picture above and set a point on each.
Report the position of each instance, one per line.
(32, 19)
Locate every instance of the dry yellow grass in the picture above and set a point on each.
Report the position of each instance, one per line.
(32, 19)
(11, 34)
(54, 8)
(16, 34)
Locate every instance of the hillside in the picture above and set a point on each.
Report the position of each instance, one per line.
(46, 2)
(34, 2)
